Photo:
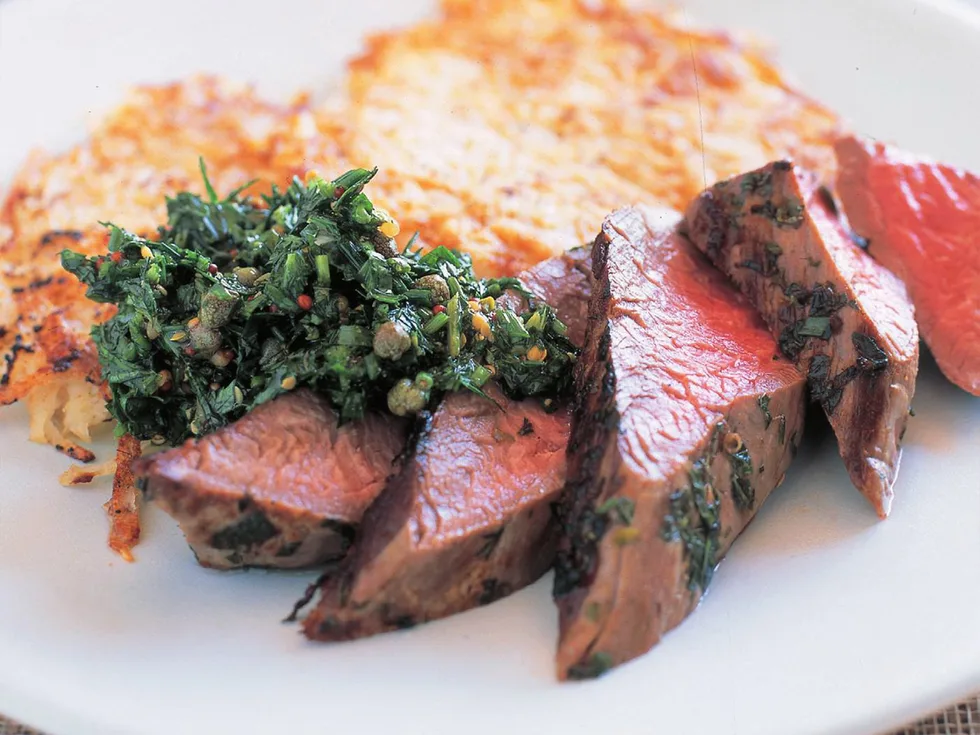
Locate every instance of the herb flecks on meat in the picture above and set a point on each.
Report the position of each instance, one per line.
(241, 299)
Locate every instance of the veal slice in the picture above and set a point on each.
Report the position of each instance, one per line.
(469, 518)
(684, 425)
(921, 220)
(844, 319)
(284, 486)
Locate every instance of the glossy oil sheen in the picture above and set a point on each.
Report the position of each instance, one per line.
(821, 619)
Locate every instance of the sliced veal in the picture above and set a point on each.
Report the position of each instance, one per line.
(921, 220)
(684, 426)
(844, 320)
(469, 518)
(283, 486)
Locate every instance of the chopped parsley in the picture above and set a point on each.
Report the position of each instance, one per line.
(239, 300)
(763, 402)
(694, 520)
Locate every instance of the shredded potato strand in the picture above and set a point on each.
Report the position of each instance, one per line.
(123, 506)
(79, 474)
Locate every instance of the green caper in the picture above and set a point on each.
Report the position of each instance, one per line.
(217, 307)
(424, 381)
(406, 398)
(247, 276)
(205, 340)
(437, 285)
(391, 341)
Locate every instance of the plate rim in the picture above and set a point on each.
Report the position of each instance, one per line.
(54, 718)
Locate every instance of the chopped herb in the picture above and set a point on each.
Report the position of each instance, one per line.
(829, 390)
(822, 303)
(623, 509)
(594, 666)
(826, 390)
(796, 293)
(782, 428)
(252, 530)
(694, 520)
(742, 491)
(790, 213)
(769, 266)
(791, 342)
(815, 326)
(757, 183)
(764, 407)
(526, 428)
(593, 612)
(871, 358)
(239, 300)
(825, 301)
(773, 252)
(582, 526)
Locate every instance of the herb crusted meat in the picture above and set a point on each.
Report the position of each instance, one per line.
(468, 519)
(841, 317)
(684, 424)
(284, 486)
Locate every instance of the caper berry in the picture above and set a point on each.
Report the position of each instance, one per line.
(247, 276)
(391, 341)
(406, 398)
(205, 340)
(217, 307)
(437, 285)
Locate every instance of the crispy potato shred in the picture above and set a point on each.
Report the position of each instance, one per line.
(512, 151)
(123, 506)
(81, 474)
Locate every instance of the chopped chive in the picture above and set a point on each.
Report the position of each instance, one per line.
(436, 323)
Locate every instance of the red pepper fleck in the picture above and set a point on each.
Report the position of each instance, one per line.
(116, 257)
(338, 192)
(438, 309)
(273, 308)
(304, 302)
(212, 269)
(233, 252)
(190, 351)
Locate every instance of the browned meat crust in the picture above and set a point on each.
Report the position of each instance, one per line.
(282, 487)
(843, 319)
(683, 426)
(469, 518)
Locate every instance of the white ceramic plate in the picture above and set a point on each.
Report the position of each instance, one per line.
(821, 620)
